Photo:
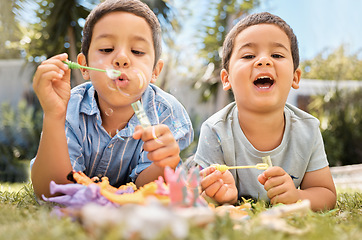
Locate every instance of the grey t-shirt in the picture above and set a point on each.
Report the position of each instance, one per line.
(222, 141)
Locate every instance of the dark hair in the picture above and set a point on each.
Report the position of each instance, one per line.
(255, 19)
(131, 6)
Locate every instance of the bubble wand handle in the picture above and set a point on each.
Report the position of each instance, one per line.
(140, 113)
(73, 65)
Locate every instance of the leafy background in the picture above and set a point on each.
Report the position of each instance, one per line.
(34, 30)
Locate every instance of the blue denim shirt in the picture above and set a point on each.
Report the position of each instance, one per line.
(121, 158)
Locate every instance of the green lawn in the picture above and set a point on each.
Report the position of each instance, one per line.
(22, 218)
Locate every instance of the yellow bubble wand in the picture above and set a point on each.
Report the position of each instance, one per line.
(223, 168)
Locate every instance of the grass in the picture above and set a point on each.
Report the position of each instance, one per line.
(22, 218)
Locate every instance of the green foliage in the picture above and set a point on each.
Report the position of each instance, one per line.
(221, 17)
(10, 31)
(335, 66)
(60, 24)
(56, 28)
(19, 137)
(340, 110)
(340, 114)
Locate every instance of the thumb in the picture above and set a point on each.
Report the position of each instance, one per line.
(138, 131)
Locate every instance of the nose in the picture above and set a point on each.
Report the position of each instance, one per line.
(263, 61)
(121, 60)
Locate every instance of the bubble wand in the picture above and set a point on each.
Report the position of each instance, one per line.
(141, 115)
(223, 168)
(112, 73)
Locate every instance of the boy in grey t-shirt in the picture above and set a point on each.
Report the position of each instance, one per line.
(260, 65)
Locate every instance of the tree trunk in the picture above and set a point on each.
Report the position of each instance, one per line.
(77, 77)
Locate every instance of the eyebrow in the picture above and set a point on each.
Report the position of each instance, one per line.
(273, 44)
(135, 37)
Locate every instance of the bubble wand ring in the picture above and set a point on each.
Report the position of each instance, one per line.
(155, 136)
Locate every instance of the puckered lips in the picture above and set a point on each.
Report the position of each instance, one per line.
(122, 81)
(264, 82)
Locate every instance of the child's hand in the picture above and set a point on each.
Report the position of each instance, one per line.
(279, 186)
(160, 144)
(51, 84)
(219, 186)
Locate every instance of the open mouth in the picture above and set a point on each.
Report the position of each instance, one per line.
(264, 82)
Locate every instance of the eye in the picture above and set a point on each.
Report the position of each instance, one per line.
(248, 57)
(106, 50)
(136, 52)
(277, 56)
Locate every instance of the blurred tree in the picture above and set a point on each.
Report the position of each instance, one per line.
(10, 31)
(340, 114)
(221, 17)
(340, 110)
(58, 26)
(56, 29)
(335, 66)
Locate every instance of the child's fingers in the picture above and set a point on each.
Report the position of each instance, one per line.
(171, 161)
(156, 132)
(210, 178)
(158, 141)
(262, 179)
(221, 192)
(277, 190)
(51, 69)
(206, 171)
(138, 131)
(213, 189)
(162, 152)
(273, 182)
(273, 171)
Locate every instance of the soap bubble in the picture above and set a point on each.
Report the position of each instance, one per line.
(130, 82)
(109, 112)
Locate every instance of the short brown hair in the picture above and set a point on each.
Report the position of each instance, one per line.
(255, 19)
(131, 6)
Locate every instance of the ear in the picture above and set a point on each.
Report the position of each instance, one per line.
(157, 71)
(82, 61)
(225, 80)
(296, 78)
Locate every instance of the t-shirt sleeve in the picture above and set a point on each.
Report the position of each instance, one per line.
(209, 149)
(318, 159)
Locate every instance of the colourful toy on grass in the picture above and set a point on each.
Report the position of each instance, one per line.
(180, 190)
(111, 73)
(223, 168)
(184, 188)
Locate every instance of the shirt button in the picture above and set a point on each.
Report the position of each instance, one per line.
(110, 145)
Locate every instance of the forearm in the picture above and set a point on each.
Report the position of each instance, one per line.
(52, 160)
(149, 174)
(321, 198)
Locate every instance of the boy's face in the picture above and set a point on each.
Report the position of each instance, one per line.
(261, 68)
(121, 41)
